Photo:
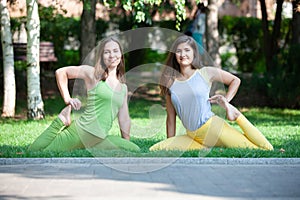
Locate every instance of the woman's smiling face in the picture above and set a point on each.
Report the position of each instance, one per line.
(112, 54)
(184, 54)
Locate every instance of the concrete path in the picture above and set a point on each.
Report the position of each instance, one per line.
(149, 178)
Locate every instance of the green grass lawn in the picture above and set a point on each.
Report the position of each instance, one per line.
(280, 126)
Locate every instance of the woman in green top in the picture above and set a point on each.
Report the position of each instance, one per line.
(106, 100)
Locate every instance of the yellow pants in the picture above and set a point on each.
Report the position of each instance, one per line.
(217, 132)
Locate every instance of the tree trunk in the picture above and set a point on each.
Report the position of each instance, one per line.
(271, 41)
(266, 35)
(212, 33)
(88, 28)
(276, 28)
(34, 98)
(9, 99)
(296, 23)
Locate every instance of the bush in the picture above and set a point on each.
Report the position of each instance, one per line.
(245, 34)
(282, 82)
(279, 86)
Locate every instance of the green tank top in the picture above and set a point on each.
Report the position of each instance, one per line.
(103, 104)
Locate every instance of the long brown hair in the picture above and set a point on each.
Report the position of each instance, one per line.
(172, 68)
(101, 70)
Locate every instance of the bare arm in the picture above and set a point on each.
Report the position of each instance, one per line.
(124, 120)
(227, 78)
(171, 117)
(72, 72)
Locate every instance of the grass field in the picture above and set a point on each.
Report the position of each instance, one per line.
(280, 126)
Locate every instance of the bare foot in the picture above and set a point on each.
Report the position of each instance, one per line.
(65, 115)
(232, 113)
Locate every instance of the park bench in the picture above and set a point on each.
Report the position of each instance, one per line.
(47, 55)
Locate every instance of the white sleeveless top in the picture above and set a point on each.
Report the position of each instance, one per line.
(190, 100)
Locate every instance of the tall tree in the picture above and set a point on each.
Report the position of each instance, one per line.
(9, 100)
(271, 38)
(212, 33)
(88, 27)
(296, 22)
(35, 103)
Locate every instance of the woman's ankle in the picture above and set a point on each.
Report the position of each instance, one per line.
(65, 115)
(232, 113)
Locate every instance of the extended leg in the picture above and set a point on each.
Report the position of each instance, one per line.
(112, 142)
(250, 131)
(180, 142)
(47, 136)
(217, 132)
(58, 137)
(253, 134)
(67, 140)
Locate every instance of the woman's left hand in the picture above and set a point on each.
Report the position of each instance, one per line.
(218, 99)
(75, 103)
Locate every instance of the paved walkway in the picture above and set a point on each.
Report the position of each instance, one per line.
(149, 178)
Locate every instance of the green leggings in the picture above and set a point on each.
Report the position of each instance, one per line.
(58, 137)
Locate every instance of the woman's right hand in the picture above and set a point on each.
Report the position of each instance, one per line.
(75, 103)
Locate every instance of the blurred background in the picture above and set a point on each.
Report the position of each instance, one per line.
(258, 40)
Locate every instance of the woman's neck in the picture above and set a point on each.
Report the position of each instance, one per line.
(112, 72)
(186, 71)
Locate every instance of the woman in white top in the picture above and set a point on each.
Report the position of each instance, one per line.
(186, 86)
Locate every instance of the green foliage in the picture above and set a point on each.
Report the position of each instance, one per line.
(71, 57)
(226, 63)
(143, 10)
(20, 65)
(58, 29)
(180, 12)
(282, 82)
(245, 35)
(16, 23)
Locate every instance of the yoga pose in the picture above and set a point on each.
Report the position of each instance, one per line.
(106, 100)
(186, 85)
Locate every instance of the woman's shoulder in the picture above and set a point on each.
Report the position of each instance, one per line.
(87, 68)
(88, 74)
(124, 86)
(202, 70)
(205, 73)
(207, 70)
